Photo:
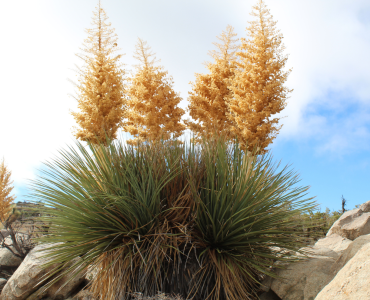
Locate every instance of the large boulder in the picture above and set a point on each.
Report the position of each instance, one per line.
(350, 252)
(3, 234)
(2, 283)
(334, 242)
(91, 273)
(7, 258)
(332, 254)
(63, 288)
(84, 295)
(303, 280)
(365, 207)
(353, 281)
(270, 295)
(23, 281)
(352, 224)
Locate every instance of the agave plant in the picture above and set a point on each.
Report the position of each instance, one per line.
(204, 223)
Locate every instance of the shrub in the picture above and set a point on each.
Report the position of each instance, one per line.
(22, 230)
(198, 222)
(318, 223)
(6, 199)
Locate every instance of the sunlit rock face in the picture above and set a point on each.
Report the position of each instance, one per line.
(352, 281)
(22, 282)
(339, 267)
(352, 224)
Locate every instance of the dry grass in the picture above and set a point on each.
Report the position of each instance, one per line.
(159, 296)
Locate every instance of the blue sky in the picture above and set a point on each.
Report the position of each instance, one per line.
(326, 129)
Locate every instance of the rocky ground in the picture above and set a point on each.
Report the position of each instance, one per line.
(338, 268)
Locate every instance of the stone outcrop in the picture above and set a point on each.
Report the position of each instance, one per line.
(2, 283)
(28, 274)
(353, 223)
(91, 273)
(350, 252)
(270, 295)
(365, 207)
(85, 295)
(353, 281)
(3, 234)
(333, 261)
(63, 287)
(334, 242)
(7, 258)
(338, 267)
(305, 279)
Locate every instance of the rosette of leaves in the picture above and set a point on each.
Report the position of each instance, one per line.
(203, 222)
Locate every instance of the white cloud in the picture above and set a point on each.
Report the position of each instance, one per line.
(34, 104)
(328, 45)
(328, 42)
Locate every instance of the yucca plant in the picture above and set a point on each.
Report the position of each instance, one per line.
(205, 223)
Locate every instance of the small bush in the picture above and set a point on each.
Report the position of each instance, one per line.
(6, 199)
(317, 224)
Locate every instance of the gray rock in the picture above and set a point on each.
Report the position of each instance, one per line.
(321, 252)
(334, 242)
(3, 234)
(353, 281)
(23, 281)
(270, 295)
(83, 295)
(59, 292)
(335, 268)
(2, 283)
(350, 252)
(351, 224)
(91, 273)
(365, 207)
(304, 280)
(7, 258)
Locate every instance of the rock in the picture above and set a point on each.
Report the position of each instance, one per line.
(2, 283)
(83, 295)
(305, 279)
(334, 242)
(54, 293)
(7, 258)
(270, 295)
(3, 234)
(346, 240)
(351, 224)
(350, 252)
(28, 274)
(321, 252)
(352, 281)
(365, 207)
(91, 273)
